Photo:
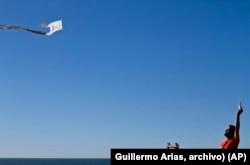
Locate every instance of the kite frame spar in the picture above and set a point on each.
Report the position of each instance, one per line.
(54, 26)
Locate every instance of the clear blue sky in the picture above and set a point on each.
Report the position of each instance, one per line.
(122, 74)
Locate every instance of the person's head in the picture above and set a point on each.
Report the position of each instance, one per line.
(177, 145)
(168, 145)
(229, 132)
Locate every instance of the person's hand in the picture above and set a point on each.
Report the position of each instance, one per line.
(240, 110)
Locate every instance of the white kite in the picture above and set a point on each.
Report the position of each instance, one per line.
(53, 26)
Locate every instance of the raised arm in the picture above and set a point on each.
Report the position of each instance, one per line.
(237, 124)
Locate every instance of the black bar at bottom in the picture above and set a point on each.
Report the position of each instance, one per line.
(180, 156)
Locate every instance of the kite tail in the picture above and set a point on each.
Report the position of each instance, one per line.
(10, 27)
(35, 31)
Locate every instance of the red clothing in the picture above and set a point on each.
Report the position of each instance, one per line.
(230, 143)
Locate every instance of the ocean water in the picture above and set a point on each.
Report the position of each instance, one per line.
(52, 161)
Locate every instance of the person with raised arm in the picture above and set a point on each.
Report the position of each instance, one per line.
(232, 133)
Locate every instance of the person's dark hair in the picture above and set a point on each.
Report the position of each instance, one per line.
(230, 133)
(232, 128)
